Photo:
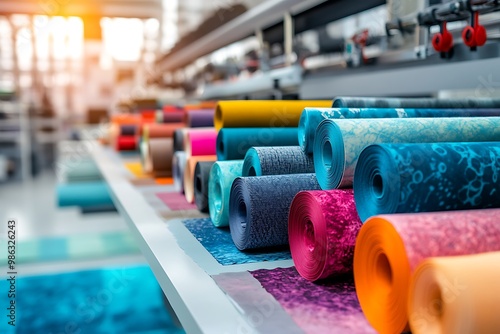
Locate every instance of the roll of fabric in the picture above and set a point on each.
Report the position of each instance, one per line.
(79, 171)
(161, 155)
(389, 248)
(201, 175)
(179, 139)
(189, 174)
(126, 119)
(128, 130)
(322, 229)
(403, 178)
(457, 294)
(339, 143)
(221, 179)
(311, 117)
(259, 206)
(200, 118)
(234, 114)
(145, 158)
(370, 102)
(154, 130)
(200, 141)
(232, 144)
(172, 116)
(126, 143)
(277, 160)
(178, 168)
(83, 194)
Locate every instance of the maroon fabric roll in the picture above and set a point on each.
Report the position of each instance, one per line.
(126, 143)
(173, 116)
(322, 231)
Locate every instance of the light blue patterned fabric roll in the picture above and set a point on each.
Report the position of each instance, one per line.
(339, 142)
(220, 181)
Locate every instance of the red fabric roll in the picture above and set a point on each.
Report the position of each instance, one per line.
(322, 231)
(126, 143)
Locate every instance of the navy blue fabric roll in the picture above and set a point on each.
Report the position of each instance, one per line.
(201, 175)
(373, 102)
(179, 140)
(259, 206)
(128, 130)
(405, 178)
(233, 143)
(311, 117)
(277, 160)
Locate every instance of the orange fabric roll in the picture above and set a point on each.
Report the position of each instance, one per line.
(124, 119)
(390, 247)
(459, 294)
(189, 174)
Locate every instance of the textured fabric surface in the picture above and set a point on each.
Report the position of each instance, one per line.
(401, 178)
(475, 303)
(389, 248)
(339, 143)
(83, 194)
(217, 241)
(114, 300)
(200, 118)
(271, 113)
(220, 181)
(178, 166)
(277, 160)
(175, 201)
(232, 144)
(259, 206)
(328, 307)
(201, 174)
(322, 229)
(311, 117)
(370, 102)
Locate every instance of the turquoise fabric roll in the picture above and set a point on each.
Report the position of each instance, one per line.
(80, 171)
(339, 143)
(404, 178)
(277, 160)
(221, 178)
(311, 117)
(233, 143)
(90, 194)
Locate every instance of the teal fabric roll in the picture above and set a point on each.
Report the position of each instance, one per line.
(339, 143)
(311, 117)
(233, 143)
(90, 194)
(220, 181)
(277, 160)
(404, 178)
(79, 171)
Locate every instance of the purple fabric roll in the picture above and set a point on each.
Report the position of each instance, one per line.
(200, 118)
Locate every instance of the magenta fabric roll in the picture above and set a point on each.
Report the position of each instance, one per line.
(201, 141)
(322, 231)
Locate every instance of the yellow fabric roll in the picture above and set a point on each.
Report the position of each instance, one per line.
(272, 113)
(459, 294)
(189, 174)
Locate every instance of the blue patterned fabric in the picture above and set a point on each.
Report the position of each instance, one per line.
(259, 206)
(217, 241)
(387, 102)
(339, 142)
(277, 160)
(402, 178)
(233, 143)
(311, 117)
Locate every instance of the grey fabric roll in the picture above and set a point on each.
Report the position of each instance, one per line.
(277, 160)
(201, 176)
(259, 206)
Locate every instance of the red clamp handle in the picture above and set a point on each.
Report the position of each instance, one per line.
(443, 41)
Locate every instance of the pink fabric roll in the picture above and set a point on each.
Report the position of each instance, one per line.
(322, 231)
(201, 141)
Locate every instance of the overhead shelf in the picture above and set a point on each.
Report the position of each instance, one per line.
(199, 303)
